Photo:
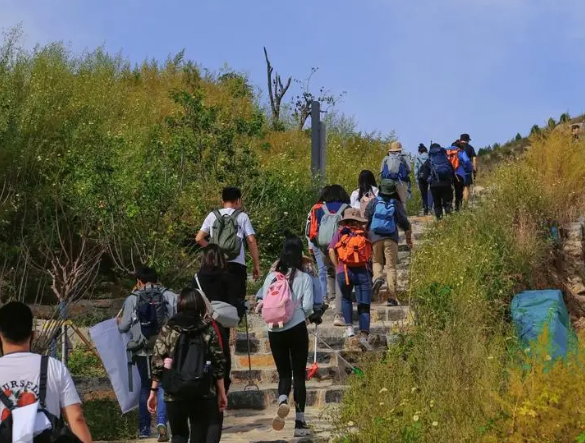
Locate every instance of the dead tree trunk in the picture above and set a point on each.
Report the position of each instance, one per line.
(276, 91)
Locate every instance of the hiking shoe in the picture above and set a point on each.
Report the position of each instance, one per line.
(338, 320)
(163, 435)
(348, 334)
(301, 429)
(392, 302)
(364, 343)
(281, 413)
(377, 285)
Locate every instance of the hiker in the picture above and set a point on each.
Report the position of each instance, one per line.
(26, 377)
(395, 166)
(228, 227)
(464, 140)
(143, 314)
(286, 302)
(213, 280)
(324, 220)
(189, 362)
(423, 185)
(314, 249)
(385, 214)
(365, 192)
(440, 177)
(350, 251)
(463, 169)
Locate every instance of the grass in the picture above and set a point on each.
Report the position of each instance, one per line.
(457, 376)
(106, 423)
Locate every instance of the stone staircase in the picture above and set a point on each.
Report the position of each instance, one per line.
(253, 395)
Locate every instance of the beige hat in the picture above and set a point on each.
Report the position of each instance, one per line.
(352, 214)
(395, 147)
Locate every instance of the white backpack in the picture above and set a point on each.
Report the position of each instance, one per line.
(222, 312)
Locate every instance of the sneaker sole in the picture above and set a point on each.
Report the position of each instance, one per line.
(278, 424)
(283, 410)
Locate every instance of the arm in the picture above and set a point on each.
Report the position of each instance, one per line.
(403, 223)
(253, 246)
(125, 322)
(308, 296)
(201, 239)
(161, 351)
(74, 416)
(333, 257)
(218, 361)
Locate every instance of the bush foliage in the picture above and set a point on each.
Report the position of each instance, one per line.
(459, 376)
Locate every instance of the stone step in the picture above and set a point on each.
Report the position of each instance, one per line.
(318, 394)
(327, 372)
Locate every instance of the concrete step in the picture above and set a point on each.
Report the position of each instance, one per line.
(318, 394)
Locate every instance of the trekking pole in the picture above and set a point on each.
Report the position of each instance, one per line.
(353, 368)
(251, 383)
(315, 366)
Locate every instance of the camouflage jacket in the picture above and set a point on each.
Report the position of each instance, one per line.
(169, 336)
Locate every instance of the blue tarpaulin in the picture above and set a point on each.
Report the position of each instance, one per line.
(533, 310)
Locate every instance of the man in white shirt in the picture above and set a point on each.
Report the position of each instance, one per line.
(232, 201)
(20, 373)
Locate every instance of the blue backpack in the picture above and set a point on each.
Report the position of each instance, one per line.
(395, 168)
(441, 169)
(465, 162)
(383, 221)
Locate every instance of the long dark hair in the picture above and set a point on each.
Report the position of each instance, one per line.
(213, 259)
(337, 194)
(191, 303)
(291, 258)
(366, 182)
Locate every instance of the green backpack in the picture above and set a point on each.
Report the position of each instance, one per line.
(225, 233)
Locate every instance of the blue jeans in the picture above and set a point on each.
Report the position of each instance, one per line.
(361, 280)
(144, 419)
(321, 268)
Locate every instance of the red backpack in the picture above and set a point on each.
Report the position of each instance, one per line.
(353, 249)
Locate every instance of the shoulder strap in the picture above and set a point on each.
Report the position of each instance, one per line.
(235, 215)
(325, 209)
(217, 214)
(43, 381)
(6, 401)
(342, 208)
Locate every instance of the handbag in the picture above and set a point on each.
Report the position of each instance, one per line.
(222, 312)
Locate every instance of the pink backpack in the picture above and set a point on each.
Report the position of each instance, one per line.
(278, 306)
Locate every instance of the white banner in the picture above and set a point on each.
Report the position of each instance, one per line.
(111, 346)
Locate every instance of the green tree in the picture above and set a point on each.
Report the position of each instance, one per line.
(551, 123)
(518, 137)
(565, 117)
(535, 130)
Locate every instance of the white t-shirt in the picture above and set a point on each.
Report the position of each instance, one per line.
(245, 229)
(20, 376)
(354, 199)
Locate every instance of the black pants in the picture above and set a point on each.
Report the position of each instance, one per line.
(203, 417)
(458, 185)
(225, 338)
(423, 186)
(290, 350)
(443, 200)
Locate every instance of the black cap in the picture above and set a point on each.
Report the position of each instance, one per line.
(465, 138)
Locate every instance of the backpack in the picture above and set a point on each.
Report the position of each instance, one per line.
(383, 221)
(395, 168)
(191, 375)
(58, 431)
(421, 176)
(453, 155)
(329, 225)
(466, 162)
(225, 233)
(278, 305)
(353, 249)
(221, 312)
(151, 313)
(364, 201)
(441, 168)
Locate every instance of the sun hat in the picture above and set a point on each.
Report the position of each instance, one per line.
(395, 147)
(387, 187)
(352, 214)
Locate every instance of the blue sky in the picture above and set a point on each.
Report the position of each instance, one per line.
(428, 69)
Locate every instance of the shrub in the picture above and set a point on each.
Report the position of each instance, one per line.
(107, 424)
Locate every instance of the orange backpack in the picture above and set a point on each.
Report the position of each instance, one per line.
(453, 155)
(353, 249)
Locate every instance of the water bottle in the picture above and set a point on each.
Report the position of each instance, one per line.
(207, 367)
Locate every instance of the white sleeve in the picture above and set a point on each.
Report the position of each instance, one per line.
(208, 223)
(67, 393)
(247, 228)
(354, 202)
(308, 296)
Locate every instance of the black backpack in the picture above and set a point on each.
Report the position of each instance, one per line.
(59, 431)
(151, 312)
(191, 375)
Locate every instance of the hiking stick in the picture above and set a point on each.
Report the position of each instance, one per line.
(354, 369)
(311, 373)
(251, 383)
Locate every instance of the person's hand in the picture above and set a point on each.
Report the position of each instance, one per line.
(256, 272)
(222, 401)
(258, 307)
(151, 403)
(409, 243)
